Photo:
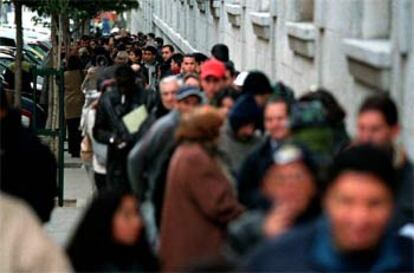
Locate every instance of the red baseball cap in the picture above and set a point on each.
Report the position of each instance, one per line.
(213, 68)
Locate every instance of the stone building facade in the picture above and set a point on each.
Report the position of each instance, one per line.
(352, 47)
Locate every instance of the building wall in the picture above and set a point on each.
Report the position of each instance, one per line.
(352, 47)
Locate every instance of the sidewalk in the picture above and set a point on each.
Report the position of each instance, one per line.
(77, 194)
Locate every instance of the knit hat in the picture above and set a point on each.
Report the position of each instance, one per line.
(245, 111)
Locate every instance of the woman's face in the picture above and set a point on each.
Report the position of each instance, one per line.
(133, 58)
(127, 224)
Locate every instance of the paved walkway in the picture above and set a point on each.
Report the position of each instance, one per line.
(77, 194)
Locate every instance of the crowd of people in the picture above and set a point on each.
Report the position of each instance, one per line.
(198, 167)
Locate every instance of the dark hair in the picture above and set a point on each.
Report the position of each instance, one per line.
(92, 245)
(365, 159)
(280, 89)
(74, 63)
(160, 41)
(200, 57)
(152, 35)
(224, 93)
(277, 99)
(257, 83)
(85, 37)
(170, 47)
(335, 112)
(177, 58)
(138, 52)
(220, 52)
(189, 55)
(121, 46)
(152, 49)
(230, 67)
(383, 104)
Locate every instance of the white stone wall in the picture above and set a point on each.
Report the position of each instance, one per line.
(352, 47)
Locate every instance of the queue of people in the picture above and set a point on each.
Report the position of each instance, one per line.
(199, 167)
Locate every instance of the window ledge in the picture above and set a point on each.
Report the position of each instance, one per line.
(303, 31)
(261, 24)
(234, 13)
(302, 37)
(369, 62)
(215, 8)
(376, 53)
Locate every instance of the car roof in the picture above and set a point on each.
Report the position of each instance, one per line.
(5, 56)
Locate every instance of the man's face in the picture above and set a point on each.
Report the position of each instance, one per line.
(189, 65)
(246, 132)
(166, 53)
(148, 57)
(211, 86)
(92, 44)
(359, 207)
(277, 120)
(373, 129)
(290, 185)
(168, 94)
(188, 104)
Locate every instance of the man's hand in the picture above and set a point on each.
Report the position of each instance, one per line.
(278, 221)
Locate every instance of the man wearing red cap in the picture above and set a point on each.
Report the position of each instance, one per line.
(212, 76)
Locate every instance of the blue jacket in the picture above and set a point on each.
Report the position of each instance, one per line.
(310, 249)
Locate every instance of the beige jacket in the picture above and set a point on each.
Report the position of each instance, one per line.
(24, 245)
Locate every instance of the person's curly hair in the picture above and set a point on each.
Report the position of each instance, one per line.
(201, 125)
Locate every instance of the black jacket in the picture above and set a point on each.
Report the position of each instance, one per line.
(28, 168)
(405, 200)
(109, 124)
(251, 174)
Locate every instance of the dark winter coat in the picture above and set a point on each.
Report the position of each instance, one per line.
(251, 174)
(405, 192)
(109, 124)
(28, 168)
(310, 249)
